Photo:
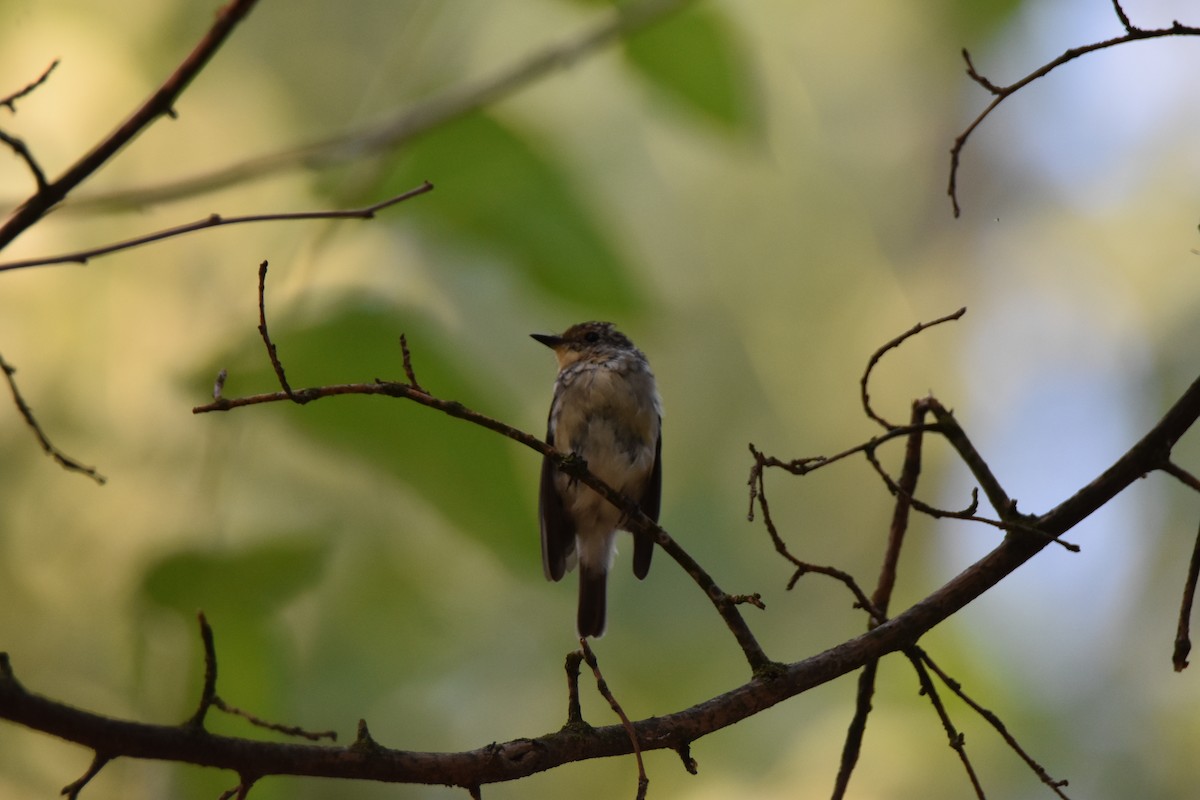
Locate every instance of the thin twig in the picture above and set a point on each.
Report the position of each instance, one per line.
(213, 221)
(1181, 474)
(758, 492)
(894, 343)
(287, 730)
(11, 101)
(208, 692)
(1002, 93)
(272, 352)
(602, 687)
(19, 147)
(71, 790)
(160, 103)
(992, 719)
(409, 123)
(956, 739)
(669, 731)
(62, 458)
(1183, 636)
(408, 367)
(882, 595)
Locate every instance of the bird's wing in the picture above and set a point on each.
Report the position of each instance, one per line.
(558, 529)
(643, 546)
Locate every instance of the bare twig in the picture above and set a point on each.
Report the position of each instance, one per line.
(408, 367)
(1183, 637)
(19, 147)
(409, 123)
(272, 353)
(160, 103)
(62, 458)
(1002, 93)
(71, 790)
(894, 343)
(1182, 475)
(758, 492)
(990, 717)
(956, 739)
(213, 221)
(10, 102)
(286, 730)
(208, 692)
(602, 687)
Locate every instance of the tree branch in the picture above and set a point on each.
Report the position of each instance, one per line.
(161, 103)
(64, 460)
(1002, 93)
(214, 221)
(499, 762)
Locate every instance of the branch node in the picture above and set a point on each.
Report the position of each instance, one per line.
(286, 730)
(272, 353)
(363, 743)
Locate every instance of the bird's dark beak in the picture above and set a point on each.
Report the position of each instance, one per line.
(547, 339)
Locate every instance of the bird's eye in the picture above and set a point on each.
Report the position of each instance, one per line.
(592, 336)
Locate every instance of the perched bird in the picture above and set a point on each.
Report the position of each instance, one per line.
(606, 410)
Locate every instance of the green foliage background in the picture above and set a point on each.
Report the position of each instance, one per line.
(754, 192)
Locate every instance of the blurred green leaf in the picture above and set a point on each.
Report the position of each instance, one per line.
(971, 22)
(469, 474)
(255, 581)
(693, 58)
(504, 192)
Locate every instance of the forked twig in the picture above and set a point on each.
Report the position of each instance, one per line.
(992, 719)
(1002, 93)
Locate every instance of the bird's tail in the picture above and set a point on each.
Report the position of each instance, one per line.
(593, 585)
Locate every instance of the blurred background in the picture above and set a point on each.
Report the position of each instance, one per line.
(755, 193)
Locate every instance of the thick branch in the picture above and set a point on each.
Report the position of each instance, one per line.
(523, 757)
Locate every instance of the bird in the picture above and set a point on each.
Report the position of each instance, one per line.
(606, 411)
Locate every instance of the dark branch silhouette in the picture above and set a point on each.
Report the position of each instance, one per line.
(160, 103)
(214, 221)
(1002, 93)
(770, 684)
(66, 461)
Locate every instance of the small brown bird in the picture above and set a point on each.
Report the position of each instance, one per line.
(606, 410)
